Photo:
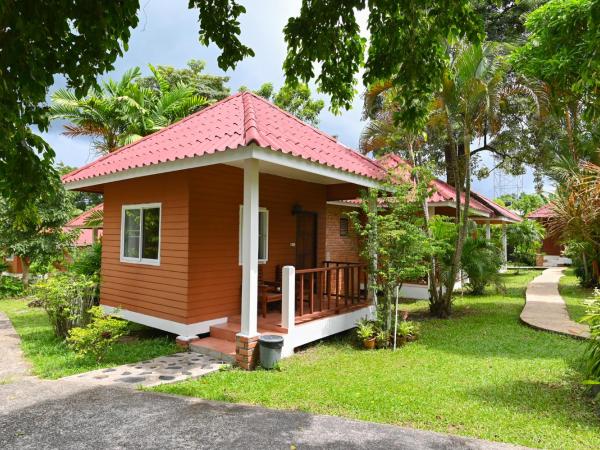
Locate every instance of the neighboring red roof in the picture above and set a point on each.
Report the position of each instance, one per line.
(80, 220)
(542, 213)
(86, 235)
(234, 122)
(499, 211)
(443, 192)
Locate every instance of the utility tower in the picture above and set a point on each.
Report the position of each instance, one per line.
(505, 183)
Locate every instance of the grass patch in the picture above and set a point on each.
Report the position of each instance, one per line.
(573, 294)
(50, 356)
(481, 374)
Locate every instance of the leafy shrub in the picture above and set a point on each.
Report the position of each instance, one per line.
(592, 354)
(87, 261)
(97, 338)
(66, 297)
(525, 238)
(365, 330)
(481, 260)
(10, 287)
(409, 329)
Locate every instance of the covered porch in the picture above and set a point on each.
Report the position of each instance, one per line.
(286, 285)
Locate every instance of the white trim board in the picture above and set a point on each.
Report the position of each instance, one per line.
(321, 328)
(181, 329)
(328, 175)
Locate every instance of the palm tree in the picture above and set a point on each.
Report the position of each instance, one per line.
(467, 106)
(121, 112)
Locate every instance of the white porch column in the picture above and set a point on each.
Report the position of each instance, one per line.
(488, 231)
(504, 247)
(288, 303)
(250, 250)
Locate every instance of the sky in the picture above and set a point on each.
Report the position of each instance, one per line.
(167, 34)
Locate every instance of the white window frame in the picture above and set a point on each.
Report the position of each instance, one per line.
(140, 260)
(241, 221)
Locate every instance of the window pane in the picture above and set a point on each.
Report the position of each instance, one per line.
(151, 230)
(131, 234)
(262, 235)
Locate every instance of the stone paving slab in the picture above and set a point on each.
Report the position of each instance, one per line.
(545, 309)
(165, 369)
(12, 364)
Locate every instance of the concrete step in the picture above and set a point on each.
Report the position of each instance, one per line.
(215, 347)
(225, 331)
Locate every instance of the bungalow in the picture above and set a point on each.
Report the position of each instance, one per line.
(443, 202)
(210, 220)
(225, 209)
(551, 251)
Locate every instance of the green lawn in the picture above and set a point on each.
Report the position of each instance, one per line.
(573, 294)
(51, 358)
(481, 373)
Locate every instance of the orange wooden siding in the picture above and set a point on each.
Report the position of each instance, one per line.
(199, 276)
(159, 291)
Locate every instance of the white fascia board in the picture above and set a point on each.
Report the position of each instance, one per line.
(181, 329)
(227, 157)
(451, 204)
(342, 203)
(294, 162)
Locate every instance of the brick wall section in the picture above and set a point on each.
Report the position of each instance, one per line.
(340, 248)
(246, 352)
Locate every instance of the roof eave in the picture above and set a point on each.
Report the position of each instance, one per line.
(230, 156)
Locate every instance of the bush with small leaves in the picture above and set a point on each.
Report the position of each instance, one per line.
(98, 337)
(66, 297)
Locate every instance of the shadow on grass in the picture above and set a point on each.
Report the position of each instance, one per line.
(565, 402)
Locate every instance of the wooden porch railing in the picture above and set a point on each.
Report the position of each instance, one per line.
(331, 288)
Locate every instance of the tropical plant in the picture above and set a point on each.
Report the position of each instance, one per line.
(393, 241)
(121, 112)
(409, 329)
(592, 354)
(481, 261)
(365, 330)
(576, 215)
(66, 298)
(525, 238)
(99, 336)
(469, 105)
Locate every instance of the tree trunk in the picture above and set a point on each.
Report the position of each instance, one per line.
(453, 157)
(443, 307)
(25, 262)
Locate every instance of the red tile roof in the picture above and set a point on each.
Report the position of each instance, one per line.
(86, 235)
(443, 192)
(232, 123)
(80, 220)
(542, 213)
(499, 211)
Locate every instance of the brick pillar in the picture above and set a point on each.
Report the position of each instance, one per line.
(246, 351)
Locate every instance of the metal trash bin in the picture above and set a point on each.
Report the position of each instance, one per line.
(270, 350)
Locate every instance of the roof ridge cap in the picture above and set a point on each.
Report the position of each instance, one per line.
(321, 132)
(251, 131)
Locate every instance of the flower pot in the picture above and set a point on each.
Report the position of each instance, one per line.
(369, 343)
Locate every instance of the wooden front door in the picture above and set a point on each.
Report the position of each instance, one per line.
(306, 240)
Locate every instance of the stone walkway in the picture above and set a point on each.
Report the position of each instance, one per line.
(165, 369)
(13, 366)
(546, 310)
